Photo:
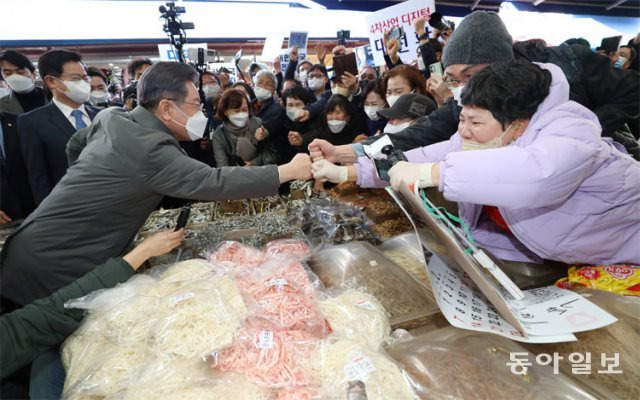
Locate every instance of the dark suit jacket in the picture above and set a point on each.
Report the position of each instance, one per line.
(44, 133)
(16, 199)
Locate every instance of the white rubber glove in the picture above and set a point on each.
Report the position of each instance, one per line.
(410, 173)
(324, 171)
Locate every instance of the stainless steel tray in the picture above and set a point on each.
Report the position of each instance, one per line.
(360, 265)
(524, 275)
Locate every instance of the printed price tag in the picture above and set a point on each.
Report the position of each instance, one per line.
(367, 305)
(181, 298)
(277, 282)
(359, 368)
(265, 340)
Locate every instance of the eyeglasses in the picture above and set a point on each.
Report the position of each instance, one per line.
(77, 77)
(451, 83)
(310, 76)
(198, 105)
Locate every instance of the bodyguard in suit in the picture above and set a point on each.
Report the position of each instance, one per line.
(16, 200)
(45, 131)
(130, 160)
(19, 74)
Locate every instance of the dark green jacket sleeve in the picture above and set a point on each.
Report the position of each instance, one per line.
(45, 323)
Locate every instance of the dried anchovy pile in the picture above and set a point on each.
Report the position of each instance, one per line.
(268, 227)
(269, 204)
(166, 219)
(233, 209)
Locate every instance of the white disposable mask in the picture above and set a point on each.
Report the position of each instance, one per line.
(618, 64)
(98, 96)
(262, 93)
(19, 83)
(239, 119)
(457, 93)
(391, 100)
(395, 128)
(211, 91)
(494, 143)
(341, 90)
(4, 91)
(421, 65)
(303, 76)
(336, 125)
(372, 112)
(196, 124)
(293, 113)
(78, 91)
(315, 83)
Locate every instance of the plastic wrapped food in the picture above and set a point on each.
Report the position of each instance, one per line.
(198, 318)
(362, 267)
(357, 316)
(456, 364)
(288, 248)
(186, 271)
(617, 338)
(234, 254)
(326, 222)
(284, 293)
(348, 369)
(269, 356)
(621, 279)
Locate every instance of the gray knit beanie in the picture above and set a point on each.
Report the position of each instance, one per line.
(481, 38)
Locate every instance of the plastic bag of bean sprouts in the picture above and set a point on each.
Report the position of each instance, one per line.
(230, 255)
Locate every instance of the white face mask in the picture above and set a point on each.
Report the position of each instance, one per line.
(77, 91)
(293, 113)
(336, 125)
(98, 96)
(341, 90)
(19, 83)
(211, 91)
(4, 91)
(421, 65)
(457, 93)
(315, 83)
(262, 93)
(618, 64)
(494, 143)
(303, 76)
(395, 128)
(391, 100)
(196, 124)
(372, 112)
(240, 119)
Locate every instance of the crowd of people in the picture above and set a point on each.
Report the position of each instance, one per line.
(538, 145)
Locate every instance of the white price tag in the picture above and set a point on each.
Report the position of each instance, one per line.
(180, 298)
(367, 305)
(279, 283)
(265, 340)
(359, 368)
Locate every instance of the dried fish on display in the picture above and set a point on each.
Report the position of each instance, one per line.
(162, 219)
(233, 208)
(269, 204)
(301, 190)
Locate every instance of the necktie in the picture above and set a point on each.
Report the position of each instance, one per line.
(77, 114)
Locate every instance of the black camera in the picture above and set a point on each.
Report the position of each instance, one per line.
(436, 20)
(174, 28)
(130, 93)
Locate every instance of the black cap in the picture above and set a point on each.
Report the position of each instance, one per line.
(410, 105)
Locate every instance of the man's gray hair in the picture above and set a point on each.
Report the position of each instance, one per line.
(165, 80)
(268, 74)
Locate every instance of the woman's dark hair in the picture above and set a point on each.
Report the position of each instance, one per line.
(319, 67)
(412, 75)
(509, 90)
(373, 86)
(18, 59)
(299, 93)
(165, 80)
(337, 101)
(230, 99)
(94, 71)
(249, 89)
(51, 62)
(532, 50)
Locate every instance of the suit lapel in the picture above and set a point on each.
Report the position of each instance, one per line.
(59, 120)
